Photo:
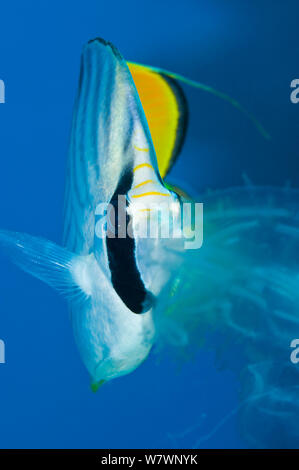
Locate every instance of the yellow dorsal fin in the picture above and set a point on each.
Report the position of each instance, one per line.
(165, 108)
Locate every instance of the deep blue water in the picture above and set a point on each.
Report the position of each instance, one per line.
(247, 49)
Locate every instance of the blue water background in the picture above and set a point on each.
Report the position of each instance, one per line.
(247, 49)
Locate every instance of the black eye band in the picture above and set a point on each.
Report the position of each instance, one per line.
(125, 275)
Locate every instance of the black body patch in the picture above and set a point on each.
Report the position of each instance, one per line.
(125, 275)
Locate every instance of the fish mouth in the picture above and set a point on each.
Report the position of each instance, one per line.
(96, 385)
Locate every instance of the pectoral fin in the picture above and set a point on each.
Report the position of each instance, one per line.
(56, 266)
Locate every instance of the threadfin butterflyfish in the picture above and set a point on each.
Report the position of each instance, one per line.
(127, 293)
(111, 282)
